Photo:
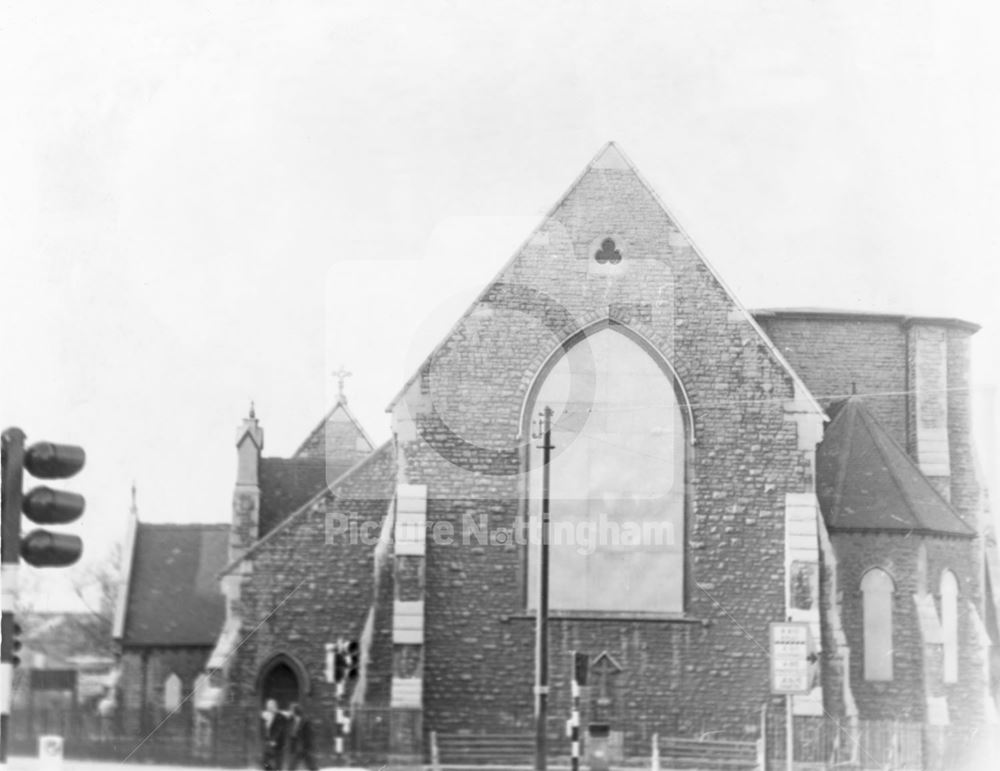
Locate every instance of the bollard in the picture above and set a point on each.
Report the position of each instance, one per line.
(50, 752)
(597, 746)
(655, 756)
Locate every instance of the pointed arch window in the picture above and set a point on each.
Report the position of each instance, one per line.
(877, 593)
(616, 479)
(949, 625)
(172, 692)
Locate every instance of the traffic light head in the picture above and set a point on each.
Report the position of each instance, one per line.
(45, 460)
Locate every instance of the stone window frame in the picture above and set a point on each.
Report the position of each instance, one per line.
(687, 416)
(885, 648)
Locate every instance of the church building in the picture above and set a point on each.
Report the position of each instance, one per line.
(713, 471)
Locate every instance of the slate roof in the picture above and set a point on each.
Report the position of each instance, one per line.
(866, 481)
(174, 598)
(287, 483)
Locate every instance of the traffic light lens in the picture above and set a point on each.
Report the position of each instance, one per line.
(52, 507)
(47, 460)
(50, 550)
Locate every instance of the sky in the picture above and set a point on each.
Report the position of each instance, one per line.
(208, 204)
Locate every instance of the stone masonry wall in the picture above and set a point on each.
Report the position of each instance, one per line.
(705, 671)
(310, 585)
(144, 671)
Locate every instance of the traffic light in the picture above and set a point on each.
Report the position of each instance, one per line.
(43, 505)
(351, 656)
(339, 665)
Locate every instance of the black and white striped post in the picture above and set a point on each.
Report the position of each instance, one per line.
(339, 726)
(580, 661)
(335, 674)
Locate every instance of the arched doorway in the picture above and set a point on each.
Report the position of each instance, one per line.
(281, 679)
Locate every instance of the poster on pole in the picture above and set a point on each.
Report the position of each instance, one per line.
(790, 657)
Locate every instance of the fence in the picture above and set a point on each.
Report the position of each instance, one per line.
(823, 742)
(176, 741)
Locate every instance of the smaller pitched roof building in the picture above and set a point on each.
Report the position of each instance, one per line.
(171, 609)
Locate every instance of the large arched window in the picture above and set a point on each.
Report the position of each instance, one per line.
(949, 625)
(877, 590)
(616, 480)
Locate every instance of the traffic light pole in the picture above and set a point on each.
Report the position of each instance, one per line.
(542, 620)
(12, 450)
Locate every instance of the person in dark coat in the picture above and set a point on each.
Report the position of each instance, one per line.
(300, 740)
(272, 736)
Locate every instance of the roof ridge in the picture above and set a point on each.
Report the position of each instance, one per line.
(304, 460)
(844, 456)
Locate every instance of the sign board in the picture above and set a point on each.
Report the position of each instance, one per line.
(53, 679)
(790, 657)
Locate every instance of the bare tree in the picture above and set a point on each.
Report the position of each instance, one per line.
(96, 587)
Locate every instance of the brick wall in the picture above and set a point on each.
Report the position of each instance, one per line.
(904, 696)
(835, 356)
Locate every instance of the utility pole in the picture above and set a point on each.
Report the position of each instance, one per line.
(542, 620)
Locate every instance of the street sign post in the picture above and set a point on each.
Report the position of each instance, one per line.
(789, 672)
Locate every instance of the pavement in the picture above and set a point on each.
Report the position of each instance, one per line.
(25, 763)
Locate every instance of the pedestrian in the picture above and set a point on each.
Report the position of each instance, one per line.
(272, 736)
(300, 742)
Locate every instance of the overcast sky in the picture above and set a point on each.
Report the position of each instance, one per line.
(207, 203)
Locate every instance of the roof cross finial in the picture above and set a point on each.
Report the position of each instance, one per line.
(253, 412)
(341, 374)
(135, 506)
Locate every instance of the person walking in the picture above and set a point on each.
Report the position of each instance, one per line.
(300, 741)
(272, 736)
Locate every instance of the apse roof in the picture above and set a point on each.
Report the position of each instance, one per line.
(866, 481)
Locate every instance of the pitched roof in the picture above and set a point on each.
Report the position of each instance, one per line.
(287, 483)
(174, 597)
(866, 481)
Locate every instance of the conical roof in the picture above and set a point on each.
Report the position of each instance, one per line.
(866, 481)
